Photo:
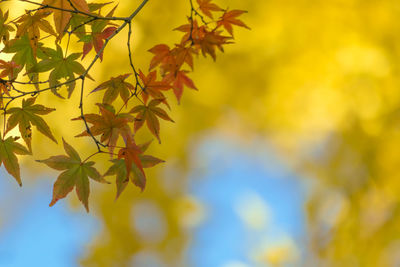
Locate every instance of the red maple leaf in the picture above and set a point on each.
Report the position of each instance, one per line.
(10, 69)
(152, 87)
(97, 40)
(130, 153)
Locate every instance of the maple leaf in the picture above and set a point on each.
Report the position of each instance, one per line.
(76, 173)
(192, 31)
(210, 41)
(99, 25)
(206, 7)
(136, 176)
(77, 24)
(96, 40)
(152, 87)
(10, 69)
(28, 115)
(5, 29)
(61, 67)
(183, 54)
(62, 18)
(8, 149)
(114, 87)
(4, 89)
(109, 125)
(97, 6)
(31, 25)
(122, 178)
(98, 36)
(229, 18)
(149, 115)
(130, 153)
(23, 54)
(161, 53)
(179, 80)
(79, 21)
(203, 39)
(171, 60)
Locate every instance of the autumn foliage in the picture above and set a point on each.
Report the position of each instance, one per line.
(36, 69)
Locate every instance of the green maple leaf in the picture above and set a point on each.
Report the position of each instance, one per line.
(119, 170)
(78, 22)
(114, 87)
(150, 114)
(61, 67)
(28, 115)
(24, 55)
(75, 173)
(5, 28)
(23, 51)
(8, 149)
(31, 25)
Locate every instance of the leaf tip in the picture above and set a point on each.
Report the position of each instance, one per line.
(117, 196)
(53, 201)
(86, 205)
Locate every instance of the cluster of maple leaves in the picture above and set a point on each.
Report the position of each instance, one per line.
(146, 97)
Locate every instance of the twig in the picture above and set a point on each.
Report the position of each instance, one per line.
(43, 6)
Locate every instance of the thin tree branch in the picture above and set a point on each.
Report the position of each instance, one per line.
(43, 6)
(82, 77)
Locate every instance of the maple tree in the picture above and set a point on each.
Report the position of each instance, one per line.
(37, 67)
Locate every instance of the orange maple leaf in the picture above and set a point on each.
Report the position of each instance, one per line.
(152, 87)
(149, 113)
(130, 153)
(109, 125)
(161, 53)
(62, 18)
(183, 54)
(229, 18)
(178, 81)
(192, 31)
(210, 41)
(206, 7)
